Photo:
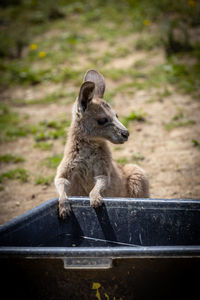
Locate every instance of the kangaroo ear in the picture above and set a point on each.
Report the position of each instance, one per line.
(86, 94)
(99, 81)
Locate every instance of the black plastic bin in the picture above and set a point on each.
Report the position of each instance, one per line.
(128, 249)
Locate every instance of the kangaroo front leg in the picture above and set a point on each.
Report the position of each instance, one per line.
(96, 199)
(62, 186)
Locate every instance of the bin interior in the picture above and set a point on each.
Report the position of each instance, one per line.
(120, 222)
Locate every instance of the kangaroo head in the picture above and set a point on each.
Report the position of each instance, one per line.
(95, 116)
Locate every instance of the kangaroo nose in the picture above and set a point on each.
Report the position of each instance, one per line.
(125, 134)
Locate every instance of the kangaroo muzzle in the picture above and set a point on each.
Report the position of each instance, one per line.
(121, 132)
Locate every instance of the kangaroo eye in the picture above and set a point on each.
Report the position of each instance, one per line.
(117, 116)
(102, 121)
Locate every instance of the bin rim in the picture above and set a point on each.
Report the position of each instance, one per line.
(92, 252)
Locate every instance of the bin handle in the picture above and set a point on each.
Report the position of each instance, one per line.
(87, 263)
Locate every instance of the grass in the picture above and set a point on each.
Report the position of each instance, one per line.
(139, 64)
(10, 158)
(10, 127)
(173, 125)
(177, 120)
(122, 161)
(159, 96)
(44, 180)
(24, 66)
(128, 88)
(50, 135)
(114, 74)
(184, 78)
(44, 146)
(49, 130)
(179, 114)
(138, 156)
(52, 162)
(173, 72)
(18, 174)
(196, 143)
(134, 116)
(21, 73)
(13, 133)
(109, 95)
(118, 148)
(148, 42)
(108, 56)
(55, 97)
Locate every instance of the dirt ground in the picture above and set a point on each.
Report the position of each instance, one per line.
(169, 157)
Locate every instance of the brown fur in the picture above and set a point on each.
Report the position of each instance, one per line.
(87, 168)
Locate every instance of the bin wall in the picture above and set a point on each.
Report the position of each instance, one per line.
(130, 279)
(120, 222)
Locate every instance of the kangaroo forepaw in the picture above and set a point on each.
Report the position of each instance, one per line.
(64, 208)
(96, 200)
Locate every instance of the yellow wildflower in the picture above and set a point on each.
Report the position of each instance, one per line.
(147, 22)
(33, 47)
(42, 54)
(191, 3)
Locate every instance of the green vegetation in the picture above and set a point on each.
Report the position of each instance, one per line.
(109, 95)
(148, 42)
(44, 146)
(108, 56)
(34, 57)
(184, 77)
(134, 116)
(179, 114)
(44, 180)
(178, 120)
(13, 127)
(159, 96)
(114, 74)
(10, 127)
(118, 148)
(122, 161)
(18, 174)
(138, 156)
(196, 143)
(10, 158)
(173, 125)
(49, 98)
(52, 162)
(49, 130)
(21, 73)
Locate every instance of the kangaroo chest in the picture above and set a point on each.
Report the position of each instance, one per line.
(88, 163)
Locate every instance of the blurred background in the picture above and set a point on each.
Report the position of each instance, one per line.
(149, 54)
